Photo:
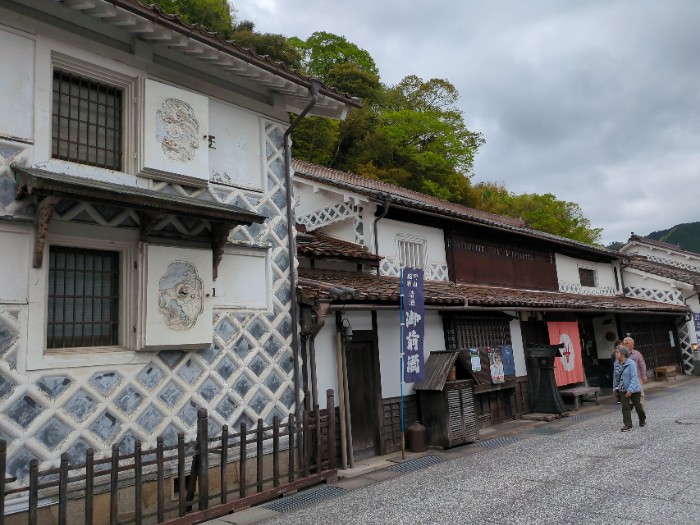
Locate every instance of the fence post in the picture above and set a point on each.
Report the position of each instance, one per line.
(203, 439)
(319, 441)
(330, 404)
(275, 451)
(181, 476)
(138, 484)
(114, 487)
(306, 440)
(3, 466)
(224, 463)
(241, 461)
(161, 479)
(63, 490)
(291, 451)
(89, 486)
(33, 491)
(260, 454)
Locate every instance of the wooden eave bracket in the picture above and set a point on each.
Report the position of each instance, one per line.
(44, 212)
(219, 237)
(148, 221)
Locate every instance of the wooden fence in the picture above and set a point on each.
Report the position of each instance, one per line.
(304, 450)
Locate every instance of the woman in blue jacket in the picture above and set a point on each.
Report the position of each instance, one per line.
(626, 383)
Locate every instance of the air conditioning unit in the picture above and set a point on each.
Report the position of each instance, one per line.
(175, 306)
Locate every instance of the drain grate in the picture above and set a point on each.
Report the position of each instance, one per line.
(500, 441)
(582, 417)
(416, 464)
(304, 499)
(546, 431)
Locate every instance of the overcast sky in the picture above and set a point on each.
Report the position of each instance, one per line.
(596, 101)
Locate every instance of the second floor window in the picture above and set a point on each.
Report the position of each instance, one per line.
(587, 277)
(411, 252)
(87, 121)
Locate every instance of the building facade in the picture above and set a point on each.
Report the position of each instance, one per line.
(143, 225)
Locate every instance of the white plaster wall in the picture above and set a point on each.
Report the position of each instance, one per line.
(601, 326)
(389, 229)
(640, 249)
(645, 281)
(567, 271)
(341, 230)
(16, 84)
(389, 339)
(516, 338)
(309, 200)
(326, 367)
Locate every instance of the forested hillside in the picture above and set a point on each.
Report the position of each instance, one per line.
(411, 134)
(687, 236)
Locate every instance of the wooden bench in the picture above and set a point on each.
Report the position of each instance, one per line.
(665, 372)
(578, 392)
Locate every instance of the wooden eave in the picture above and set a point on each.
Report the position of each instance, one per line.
(49, 188)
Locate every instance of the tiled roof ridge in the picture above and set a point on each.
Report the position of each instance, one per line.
(661, 244)
(366, 183)
(174, 21)
(643, 263)
(468, 295)
(378, 189)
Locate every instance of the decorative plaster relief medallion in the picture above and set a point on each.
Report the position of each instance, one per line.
(180, 296)
(177, 130)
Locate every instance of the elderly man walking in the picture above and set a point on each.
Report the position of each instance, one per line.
(626, 383)
(638, 359)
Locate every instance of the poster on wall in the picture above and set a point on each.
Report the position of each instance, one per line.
(496, 363)
(414, 324)
(476, 359)
(508, 360)
(696, 320)
(568, 368)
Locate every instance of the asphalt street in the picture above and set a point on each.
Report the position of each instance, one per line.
(575, 470)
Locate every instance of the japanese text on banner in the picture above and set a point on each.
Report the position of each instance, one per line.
(414, 324)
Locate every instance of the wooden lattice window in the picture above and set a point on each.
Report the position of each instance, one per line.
(87, 121)
(412, 251)
(83, 298)
(471, 332)
(587, 277)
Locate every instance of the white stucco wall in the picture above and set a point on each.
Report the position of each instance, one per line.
(516, 338)
(661, 253)
(634, 278)
(389, 229)
(601, 326)
(567, 272)
(389, 340)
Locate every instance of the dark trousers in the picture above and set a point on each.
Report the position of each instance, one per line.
(627, 403)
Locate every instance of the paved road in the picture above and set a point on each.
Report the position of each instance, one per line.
(588, 473)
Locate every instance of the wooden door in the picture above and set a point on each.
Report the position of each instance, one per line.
(362, 362)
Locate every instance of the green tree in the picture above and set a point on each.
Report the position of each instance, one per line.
(274, 45)
(323, 50)
(211, 15)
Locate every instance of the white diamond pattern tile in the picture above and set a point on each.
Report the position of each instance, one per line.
(684, 341)
(653, 294)
(69, 410)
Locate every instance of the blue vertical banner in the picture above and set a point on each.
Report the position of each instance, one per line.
(696, 320)
(413, 324)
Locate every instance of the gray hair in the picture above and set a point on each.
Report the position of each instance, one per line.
(628, 340)
(623, 350)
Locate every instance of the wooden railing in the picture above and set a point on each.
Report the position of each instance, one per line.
(285, 457)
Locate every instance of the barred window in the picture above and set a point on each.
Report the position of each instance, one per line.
(587, 277)
(83, 307)
(86, 121)
(411, 252)
(474, 331)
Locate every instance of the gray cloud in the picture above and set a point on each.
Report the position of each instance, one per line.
(597, 102)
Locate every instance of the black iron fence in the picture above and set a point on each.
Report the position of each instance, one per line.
(183, 483)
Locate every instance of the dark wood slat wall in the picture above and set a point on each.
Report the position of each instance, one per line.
(392, 420)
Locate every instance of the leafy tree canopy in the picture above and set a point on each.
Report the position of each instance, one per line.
(211, 15)
(322, 50)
